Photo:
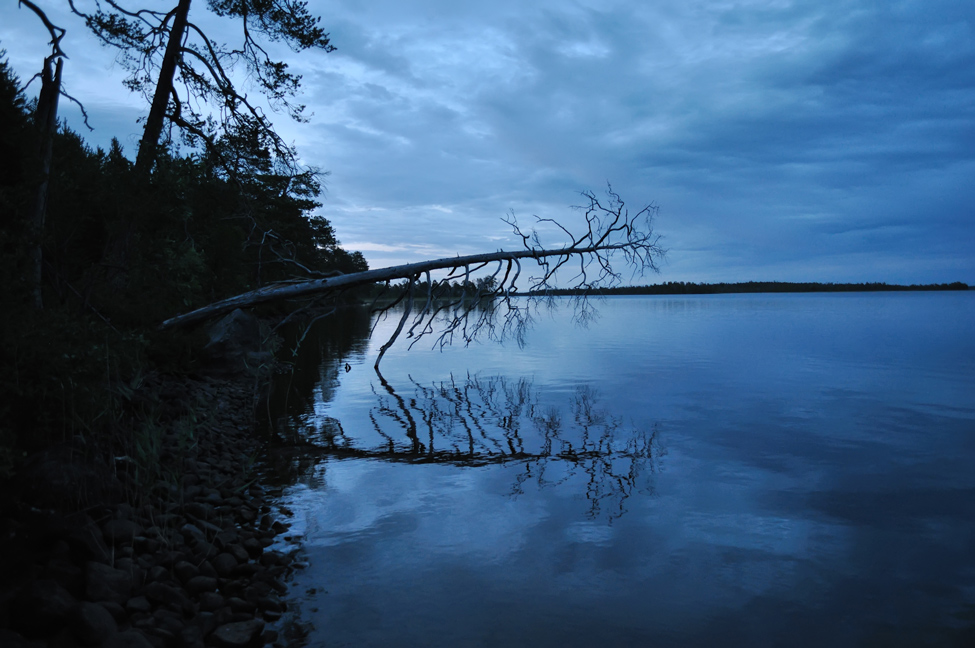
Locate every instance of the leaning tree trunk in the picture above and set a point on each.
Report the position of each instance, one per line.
(300, 289)
(164, 89)
(46, 121)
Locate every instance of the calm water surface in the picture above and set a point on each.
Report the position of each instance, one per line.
(706, 470)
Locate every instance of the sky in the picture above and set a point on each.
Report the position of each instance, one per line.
(828, 140)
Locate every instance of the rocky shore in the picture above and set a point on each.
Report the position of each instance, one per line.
(97, 555)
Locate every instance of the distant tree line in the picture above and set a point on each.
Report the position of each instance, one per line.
(691, 288)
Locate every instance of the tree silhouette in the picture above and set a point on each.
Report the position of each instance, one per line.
(180, 69)
(429, 304)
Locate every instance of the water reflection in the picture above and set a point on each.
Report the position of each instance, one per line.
(817, 488)
(486, 420)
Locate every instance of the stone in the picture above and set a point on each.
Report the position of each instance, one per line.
(166, 594)
(224, 564)
(233, 341)
(240, 605)
(271, 603)
(117, 611)
(238, 552)
(11, 639)
(160, 637)
(253, 547)
(92, 624)
(41, 608)
(66, 574)
(206, 569)
(87, 543)
(120, 532)
(185, 570)
(127, 639)
(270, 558)
(208, 529)
(199, 510)
(199, 584)
(240, 634)
(191, 635)
(211, 601)
(203, 550)
(104, 583)
(138, 604)
(192, 531)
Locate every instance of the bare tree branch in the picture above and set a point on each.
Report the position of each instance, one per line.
(611, 232)
(57, 33)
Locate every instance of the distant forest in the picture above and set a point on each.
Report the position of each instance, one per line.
(691, 288)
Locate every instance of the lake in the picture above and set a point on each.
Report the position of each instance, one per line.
(726, 470)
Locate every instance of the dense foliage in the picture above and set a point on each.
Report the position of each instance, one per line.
(123, 251)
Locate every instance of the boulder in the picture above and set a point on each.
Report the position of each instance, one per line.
(92, 624)
(120, 532)
(104, 583)
(235, 345)
(41, 608)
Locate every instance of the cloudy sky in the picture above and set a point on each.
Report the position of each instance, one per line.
(825, 140)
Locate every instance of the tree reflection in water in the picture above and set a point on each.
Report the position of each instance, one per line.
(480, 421)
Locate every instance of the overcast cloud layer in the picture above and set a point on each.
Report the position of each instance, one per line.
(824, 141)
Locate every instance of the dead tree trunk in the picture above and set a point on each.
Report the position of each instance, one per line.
(46, 121)
(611, 230)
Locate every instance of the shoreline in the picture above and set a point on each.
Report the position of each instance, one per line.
(89, 558)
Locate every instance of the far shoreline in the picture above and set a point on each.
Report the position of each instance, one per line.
(749, 287)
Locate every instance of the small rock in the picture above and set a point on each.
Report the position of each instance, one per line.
(272, 558)
(190, 635)
(185, 570)
(199, 584)
(172, 622)
(138, 604)
(87, 543)
(66, 574)
(253, 546)
(104, 583)
(211, 601)
(271, 603)
(203, 550)
(206, 569)
(165, 594)
(192, 531)
(158, 573)
(11, 639)
(224, 564)
(116, 610)
(41, 608)
(238, 552)
(120, 531)
(199, 510)
(240, 605)
(92, 624)
(160, 637)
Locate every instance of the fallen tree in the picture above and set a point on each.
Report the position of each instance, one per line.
(611, 233)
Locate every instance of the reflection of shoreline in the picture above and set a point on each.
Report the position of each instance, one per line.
(478, 422)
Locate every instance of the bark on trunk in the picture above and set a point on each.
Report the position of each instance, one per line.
(164, 89)
(275, 292)
(46, 120)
